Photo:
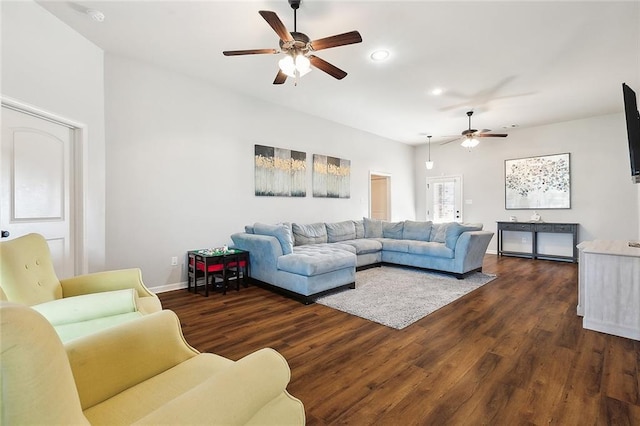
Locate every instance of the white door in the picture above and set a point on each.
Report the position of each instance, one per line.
(444, 199)
(37, 184)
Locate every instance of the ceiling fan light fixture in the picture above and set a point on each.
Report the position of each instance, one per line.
(470, 142)
(291, 67)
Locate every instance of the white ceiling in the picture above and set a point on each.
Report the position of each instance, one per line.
(512, 62)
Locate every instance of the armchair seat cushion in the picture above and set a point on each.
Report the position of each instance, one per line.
(77, 316)
(88, 306)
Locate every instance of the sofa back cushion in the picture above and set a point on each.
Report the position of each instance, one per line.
(438, 232)
(314, 233)
(392, 230)
(454, 230)
(372, 228)
(419, 231)
(359, 225)
(340, 231)
(281, 232)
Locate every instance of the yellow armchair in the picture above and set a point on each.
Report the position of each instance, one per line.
(139, 372)
(27, 276)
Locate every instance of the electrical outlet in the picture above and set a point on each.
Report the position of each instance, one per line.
(174, 261)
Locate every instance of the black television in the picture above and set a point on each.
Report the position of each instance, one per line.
(633, 130)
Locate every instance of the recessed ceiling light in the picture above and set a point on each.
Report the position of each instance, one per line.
(437, 91)
(380, 55)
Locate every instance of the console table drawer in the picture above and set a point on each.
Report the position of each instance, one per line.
(568, 228)
(517, 227)
(545, 227)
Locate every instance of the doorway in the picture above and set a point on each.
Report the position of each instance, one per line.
(380, 196)
(444, 199)
(41, 183)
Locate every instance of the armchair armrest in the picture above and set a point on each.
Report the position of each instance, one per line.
(236, 393)
(112, 280)
(106, 363)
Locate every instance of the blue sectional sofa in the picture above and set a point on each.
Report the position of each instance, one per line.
(306, 261)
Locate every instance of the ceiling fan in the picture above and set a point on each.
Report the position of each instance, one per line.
(469, 136)
(298, 48)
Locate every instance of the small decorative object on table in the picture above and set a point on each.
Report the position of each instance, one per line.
(535, 217)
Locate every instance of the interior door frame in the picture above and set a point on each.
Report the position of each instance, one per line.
(387, 176)
(80, 176)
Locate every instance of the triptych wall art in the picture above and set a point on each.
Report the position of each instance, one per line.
(331, 177)
(538, 182)
(282, 172)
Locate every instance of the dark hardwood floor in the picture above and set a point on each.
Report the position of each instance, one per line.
(512, 352)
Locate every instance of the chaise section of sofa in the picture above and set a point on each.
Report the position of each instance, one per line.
(308, 260)
(303, 272)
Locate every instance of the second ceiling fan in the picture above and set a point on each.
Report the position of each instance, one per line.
(469, 136)
(298, 48)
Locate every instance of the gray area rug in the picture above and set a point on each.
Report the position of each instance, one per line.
(397, 296)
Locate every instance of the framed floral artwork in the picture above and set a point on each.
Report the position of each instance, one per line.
(538, 182)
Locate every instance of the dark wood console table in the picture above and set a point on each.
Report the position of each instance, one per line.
(535, 228)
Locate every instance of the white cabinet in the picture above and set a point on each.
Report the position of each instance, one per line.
(609, 287)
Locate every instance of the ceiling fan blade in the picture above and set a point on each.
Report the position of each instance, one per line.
(451, 140)
(491, 135)
(277, 25)
(325, 66)
(280, 78)
(249, 52)
(336, 40)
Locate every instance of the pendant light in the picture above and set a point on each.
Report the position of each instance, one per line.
(429, 163)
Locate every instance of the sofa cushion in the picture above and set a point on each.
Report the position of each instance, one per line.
(310, 260)
(313, 233)
(372, 228)
(428, 248)
(281, 232)
(438, 232)
(364, 245)
(455, 229)
(419, 231)
(392, 230)
(359, 224)
(390, 244)
(340, 231)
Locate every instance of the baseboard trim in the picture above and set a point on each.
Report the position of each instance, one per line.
(169, 287)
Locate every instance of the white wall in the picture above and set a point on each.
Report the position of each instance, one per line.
(49, 66)
(180, 167)
(603, 200)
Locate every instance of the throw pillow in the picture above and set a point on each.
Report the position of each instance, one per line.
(340, 231)
(314, 233)
(419, 231)
(281, 232)
(392, 230)
(438, 232)
(454, 230)
(372, 228)
(359, 224)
